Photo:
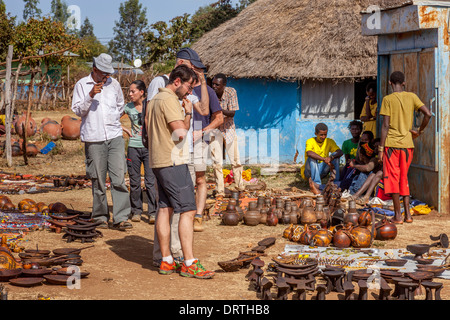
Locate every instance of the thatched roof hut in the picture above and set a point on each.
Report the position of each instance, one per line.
(294, 40)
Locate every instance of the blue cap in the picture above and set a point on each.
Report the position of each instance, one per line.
(192, 56)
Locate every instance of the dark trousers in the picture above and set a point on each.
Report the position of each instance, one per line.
(135, 158)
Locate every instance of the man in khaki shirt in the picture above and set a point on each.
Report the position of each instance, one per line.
(167, 128)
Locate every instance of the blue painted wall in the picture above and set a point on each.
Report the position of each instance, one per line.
(272, 109)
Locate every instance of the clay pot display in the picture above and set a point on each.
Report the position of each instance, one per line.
(322, 238)
(51, 128)
(385, 230)
(342, 237)
(230, 216)
(253, 216)
(287, 233)
(30, 127)
(70, 128)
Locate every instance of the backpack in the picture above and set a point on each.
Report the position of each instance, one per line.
(144, 112)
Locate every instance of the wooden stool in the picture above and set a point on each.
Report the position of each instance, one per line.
(429, 287)
(385, 290)
(321, 291)
(283, 289)
(349, 288)
(396, 280)
(334, 280)
(407, 290)
(266, 285)
(363, 287)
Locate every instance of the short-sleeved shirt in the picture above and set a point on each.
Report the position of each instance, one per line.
(370, 125)
(229, 102)
(349, 147)
(163, 109)
(137, 120)
(400, 107)
(214, 106)
(323, 149)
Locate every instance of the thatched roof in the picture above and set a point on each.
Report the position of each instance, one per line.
(294, 40)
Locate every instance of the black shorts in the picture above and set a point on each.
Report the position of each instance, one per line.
(175, 188)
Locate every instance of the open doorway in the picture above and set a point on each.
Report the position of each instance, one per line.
(360, 95)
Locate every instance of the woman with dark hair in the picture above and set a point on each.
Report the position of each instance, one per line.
(137, 155)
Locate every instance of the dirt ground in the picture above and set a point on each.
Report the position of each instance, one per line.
(120, 263)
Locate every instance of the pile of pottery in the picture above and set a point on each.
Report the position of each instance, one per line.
(17, 148)
(69, 128)
(296, 280)
(353, 229)
(25, 205)
(39, 266)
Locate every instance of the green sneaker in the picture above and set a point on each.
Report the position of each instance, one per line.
(196, 270)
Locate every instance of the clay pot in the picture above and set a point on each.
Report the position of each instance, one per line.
(297, 232)
(272, 219)
(263, 212)
(25, 204)
(287, 233)
(32, 150)
(70, 128)
(52, 129)
(252, 217)
(320, 214)
(230, 217)
(361, 237)
(16, 149)
(365, 218)
(4, 200)
(385, 230)
(322, 238)
(30, 127)
(57, 207)
(351, 217)
(286, 216)
(308, 215)
(9, 206)
(307, 235)
(342, 237)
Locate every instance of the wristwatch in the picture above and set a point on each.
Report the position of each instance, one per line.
(188, 114)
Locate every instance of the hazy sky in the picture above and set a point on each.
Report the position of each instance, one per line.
(103, 13)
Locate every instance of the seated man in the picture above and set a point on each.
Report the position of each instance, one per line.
(321, 156)
(350, 146)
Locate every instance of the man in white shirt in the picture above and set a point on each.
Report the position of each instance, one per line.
(98, 100)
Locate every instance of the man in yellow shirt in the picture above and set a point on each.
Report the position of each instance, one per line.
(321, 154)
(396, 143)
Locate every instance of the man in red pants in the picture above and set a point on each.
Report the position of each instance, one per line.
(397, 146)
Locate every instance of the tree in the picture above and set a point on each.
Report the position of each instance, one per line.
(59, 11)
(87, 29)
(166, 40)
(209, 17)
(128, 41)
(7, 27)
(31, 9)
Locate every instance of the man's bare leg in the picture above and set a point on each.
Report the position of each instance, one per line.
(163, 230)
(186, 231)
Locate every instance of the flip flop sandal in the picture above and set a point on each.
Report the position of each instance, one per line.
(396, 222)
(408, 220)
(122, 226)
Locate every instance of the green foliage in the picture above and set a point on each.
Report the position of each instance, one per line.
(128, 33)
(42, 36)
(7, 27)
(166, 39)
(91, 47)
(87, 29)
(59, 11)
(209, 17)
(31, 10)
